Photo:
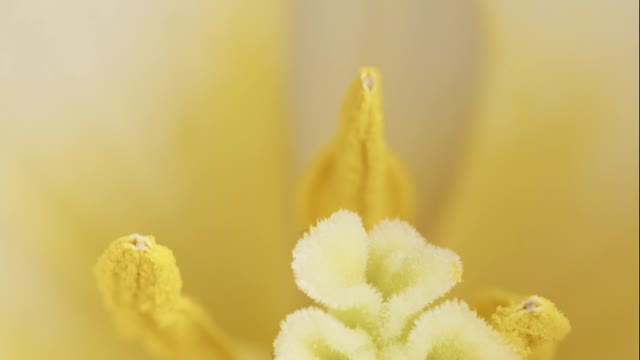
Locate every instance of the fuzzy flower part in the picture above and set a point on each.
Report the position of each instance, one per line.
(375, 287)
(141, 286)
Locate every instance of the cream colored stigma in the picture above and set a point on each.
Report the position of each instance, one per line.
(374, 290)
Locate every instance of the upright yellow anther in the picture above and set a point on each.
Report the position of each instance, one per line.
(136, 274)
(356, 170)
(141, 286)
(534, 324)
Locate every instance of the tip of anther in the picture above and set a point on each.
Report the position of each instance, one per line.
(140, 242)
(368, 80)
(532, 304)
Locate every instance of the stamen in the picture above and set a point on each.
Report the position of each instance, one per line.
(141, 285)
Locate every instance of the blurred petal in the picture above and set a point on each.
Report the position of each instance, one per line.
(452, 331)
(172, 123)
(549, 189)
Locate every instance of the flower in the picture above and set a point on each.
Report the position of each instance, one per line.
(142, 127)
(176, 120)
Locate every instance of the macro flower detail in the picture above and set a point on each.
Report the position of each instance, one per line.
(378, 282)
(357, 170)
(141, 286)
(532, 322)
(375, 287)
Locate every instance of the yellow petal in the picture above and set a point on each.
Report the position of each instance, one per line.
(173, 123)
(141, 286)
(547, 197)
(356, 170)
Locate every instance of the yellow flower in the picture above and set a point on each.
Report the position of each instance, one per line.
(141, 127)
(174, 120)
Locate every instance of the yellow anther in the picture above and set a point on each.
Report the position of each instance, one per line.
(356, 170)
(136, 274)
(141, 285)
(534, 324)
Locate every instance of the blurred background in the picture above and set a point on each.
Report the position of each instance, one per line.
(192, 121)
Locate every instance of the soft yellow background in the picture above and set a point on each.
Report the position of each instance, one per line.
(546, 200)
(158, 117)
(191, 121)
